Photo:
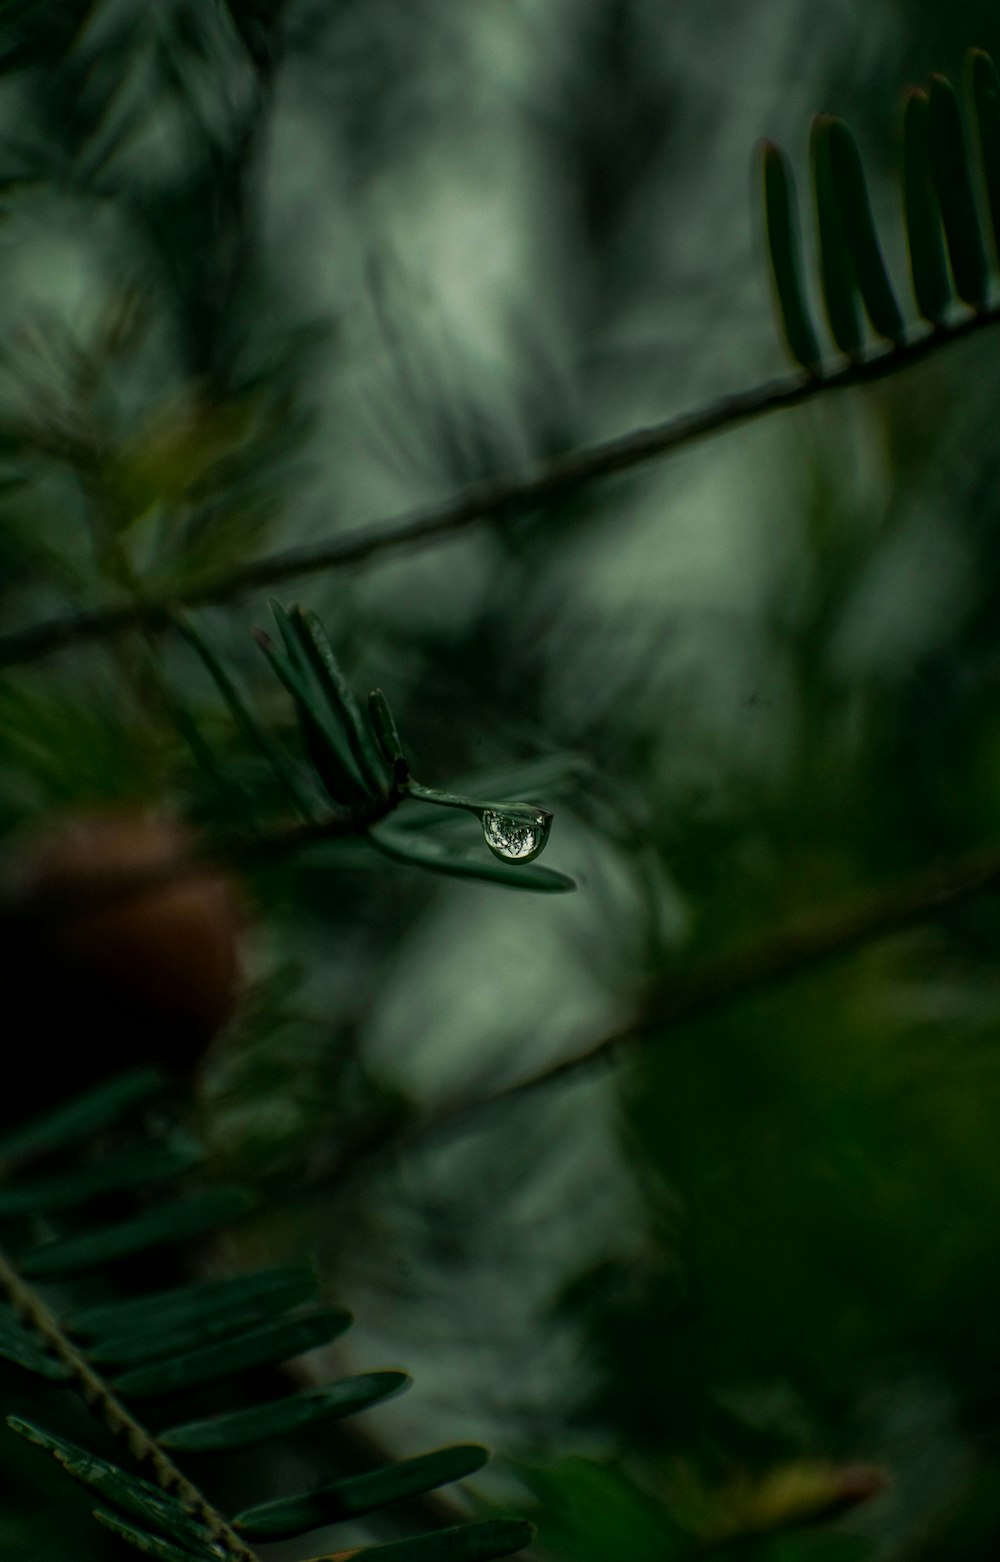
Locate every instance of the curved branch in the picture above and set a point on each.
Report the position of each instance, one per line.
(765, 962)
(515, 492)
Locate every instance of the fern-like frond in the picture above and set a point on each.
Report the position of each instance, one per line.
(951, 243)
(123, 1352)
(276, 1418)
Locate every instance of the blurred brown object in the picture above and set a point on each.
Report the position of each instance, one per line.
(102, 971)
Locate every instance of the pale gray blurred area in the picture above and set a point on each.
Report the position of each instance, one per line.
(464, 268)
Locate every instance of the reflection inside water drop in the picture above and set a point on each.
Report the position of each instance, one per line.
(514, 838)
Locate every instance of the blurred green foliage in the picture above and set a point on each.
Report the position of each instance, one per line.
(271, 271)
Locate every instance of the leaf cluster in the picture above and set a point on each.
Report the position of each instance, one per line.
(127, 1355)
(357, 759)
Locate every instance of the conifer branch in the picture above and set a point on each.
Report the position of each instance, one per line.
(742, 973)
(108, 1408)
(496, 498)
(764, 962)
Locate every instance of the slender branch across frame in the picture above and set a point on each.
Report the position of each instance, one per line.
(767, 961)
(494, 498)
(776, 956)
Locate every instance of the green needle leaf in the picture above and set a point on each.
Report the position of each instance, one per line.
(271, 1343)
(18, 1345)
(836, 269)
(343, 706)
(545, 773)
(851, 192)
(925, 235)
(424, 852)
(387, 734)
(246, 1428)
(290, 636)
(360, 1494)
(476, 1542)
(953, 181)
(118, 1173)
(324, 739)
(237, 1299)
(142, 1540)
(984, 90)
(84, 1115)
(130, 1493)
(781, 219)
(173, 1222)
(257, 735)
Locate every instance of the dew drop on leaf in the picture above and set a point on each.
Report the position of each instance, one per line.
(515, 838)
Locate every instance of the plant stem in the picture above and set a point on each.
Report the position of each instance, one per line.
(100, 1398)
(765, 962)
(499, 498)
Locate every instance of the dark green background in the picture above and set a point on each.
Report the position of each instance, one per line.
(429, 243)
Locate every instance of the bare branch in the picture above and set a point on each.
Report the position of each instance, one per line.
(505, 496)
(766, 962)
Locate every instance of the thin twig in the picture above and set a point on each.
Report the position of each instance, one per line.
(507, 495)
(773, 958)
(101, 1399)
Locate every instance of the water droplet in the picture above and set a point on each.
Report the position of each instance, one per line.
(515, 837)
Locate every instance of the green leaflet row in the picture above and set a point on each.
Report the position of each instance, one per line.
(950, 204)
(140, 1351)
